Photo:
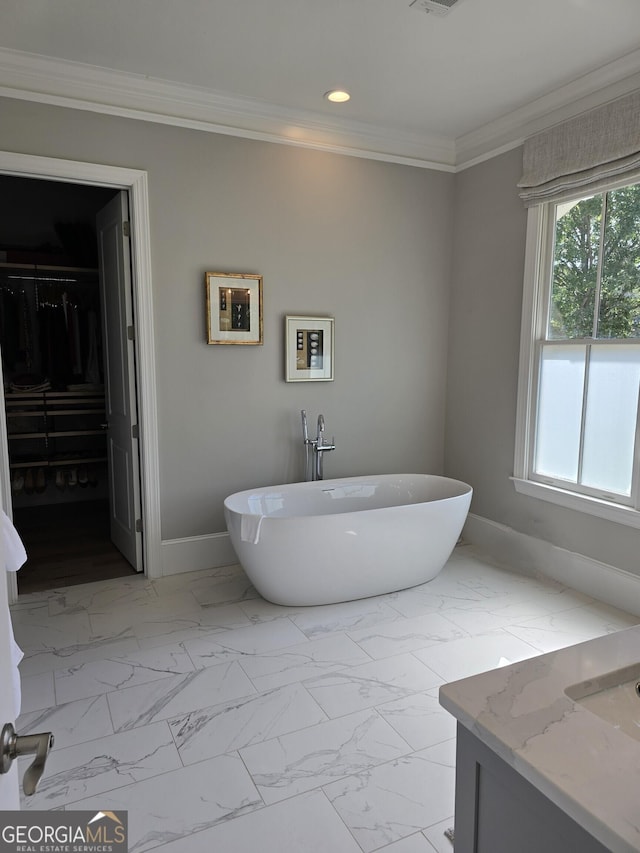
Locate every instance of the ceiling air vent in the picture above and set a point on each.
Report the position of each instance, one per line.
(438, 7)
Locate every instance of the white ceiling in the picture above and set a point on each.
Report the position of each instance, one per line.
(437, 91)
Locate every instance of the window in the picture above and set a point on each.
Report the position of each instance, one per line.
(578, 408)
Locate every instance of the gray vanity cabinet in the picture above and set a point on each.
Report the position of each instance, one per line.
(499, 811)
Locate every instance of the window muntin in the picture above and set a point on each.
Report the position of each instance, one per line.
(584, 403)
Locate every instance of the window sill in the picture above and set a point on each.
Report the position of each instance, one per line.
(581, 503)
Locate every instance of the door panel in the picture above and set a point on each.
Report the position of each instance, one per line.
(9, 797)
(120, 382)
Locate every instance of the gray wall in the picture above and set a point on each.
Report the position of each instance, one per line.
(368, 243)
(484, 340)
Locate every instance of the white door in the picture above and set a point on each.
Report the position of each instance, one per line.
(120, 380)
(9, 797)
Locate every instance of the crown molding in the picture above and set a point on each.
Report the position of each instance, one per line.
(76, 85)
(598, 87)
(72, 84)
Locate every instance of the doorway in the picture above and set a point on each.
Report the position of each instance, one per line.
(135, 182)
(54, 345)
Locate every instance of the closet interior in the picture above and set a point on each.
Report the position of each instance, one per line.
(52, 360)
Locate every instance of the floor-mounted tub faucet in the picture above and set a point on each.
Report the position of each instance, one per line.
(315, 448)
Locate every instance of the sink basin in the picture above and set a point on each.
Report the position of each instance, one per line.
(614, 697)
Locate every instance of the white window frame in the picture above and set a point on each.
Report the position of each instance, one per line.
(539, 245)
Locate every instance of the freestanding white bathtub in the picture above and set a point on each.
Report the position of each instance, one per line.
(336, 540)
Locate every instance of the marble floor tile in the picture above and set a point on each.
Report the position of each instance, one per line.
(152, 616)
(108, 674)
(181, 581)
(303, 824)
(416, 843)
(73, 723)
(101, 596)
(308, 660)
(483, 620)
(252, 719)
(170, 617)
(397, 799)
(30, 600)
(307, 759)
(345, 616)
(98, 766)
(261, 610)
(481, 573)
(549, 597)
(225, 616)
(436, 836)
(178, 804)
(491, 580)
(406, 635)
(285, 698)
(177, 631)
(237, 642)
(31, 609)
(471, 655)
(419, 719)
(548, 633)
(36, 631)
(37, 692)
(371, 684)
(95, 648)
(510, 608)
(223, 585)
(177, 695)
(437, 595)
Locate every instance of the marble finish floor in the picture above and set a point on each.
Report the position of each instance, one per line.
(222, 722)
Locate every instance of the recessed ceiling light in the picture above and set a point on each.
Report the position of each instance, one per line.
(337, 96)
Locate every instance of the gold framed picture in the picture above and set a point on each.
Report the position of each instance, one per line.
(234, 308)
(309, 349)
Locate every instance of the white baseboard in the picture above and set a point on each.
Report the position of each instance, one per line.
(194, 553)
(525, 554)
(533, 556)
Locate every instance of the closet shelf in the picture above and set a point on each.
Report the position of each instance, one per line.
(72, 432)
(59, 463)
(31, 413)
(44, 268)
(55, 433)
(84, 410)
(61, 412)
(14, 435)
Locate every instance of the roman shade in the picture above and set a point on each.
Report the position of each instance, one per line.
(584, 153)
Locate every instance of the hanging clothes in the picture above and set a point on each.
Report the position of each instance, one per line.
(50, 325)
(54, 346)
(92, 371)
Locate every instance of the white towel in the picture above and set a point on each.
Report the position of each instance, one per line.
(250, 528)
(14, 553)
(14, 557)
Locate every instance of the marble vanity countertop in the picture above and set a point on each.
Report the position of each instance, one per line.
(587, 767)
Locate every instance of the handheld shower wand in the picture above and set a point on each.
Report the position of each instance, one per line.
(308, 449)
